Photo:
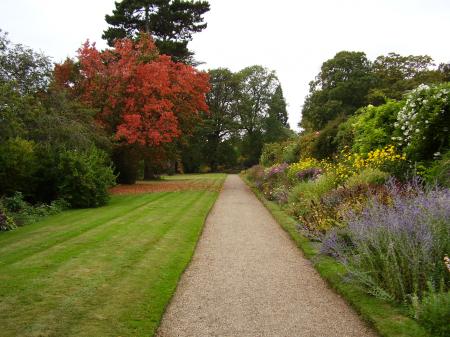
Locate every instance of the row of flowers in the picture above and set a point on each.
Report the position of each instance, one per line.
(391, 236)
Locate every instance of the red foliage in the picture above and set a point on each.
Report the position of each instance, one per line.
(143, 97)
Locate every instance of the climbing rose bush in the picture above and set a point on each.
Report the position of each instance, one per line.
(422, 126)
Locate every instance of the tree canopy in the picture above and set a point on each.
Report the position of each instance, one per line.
(340, 88)
(170, 22)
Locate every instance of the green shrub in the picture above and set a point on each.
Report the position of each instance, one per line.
(271, 154)
(325, 145)
(291, 152)
(433, 312)
(372, 127)
(423, 124)
(18, 163)
(368, 176)
(306, 194)
(22, 213)
(306, 143)
(313, 189)
(84, 177)
(6, 222)
(14, 203)
(439, 172)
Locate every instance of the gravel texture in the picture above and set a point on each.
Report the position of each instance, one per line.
(247, 278)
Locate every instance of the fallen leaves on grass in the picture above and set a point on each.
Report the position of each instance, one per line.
(165, 186)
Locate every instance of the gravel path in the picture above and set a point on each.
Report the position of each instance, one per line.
(247, 278)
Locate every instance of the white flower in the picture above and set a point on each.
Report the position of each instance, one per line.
(436, 154)
(417, 130)
(426, 122)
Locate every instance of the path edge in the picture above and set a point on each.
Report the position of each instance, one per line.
(386, 320)
(156, 331)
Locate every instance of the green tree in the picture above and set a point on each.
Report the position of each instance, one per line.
(257, 85)
(340, 88)
(220, 122)
(395, 74)
(170, 22)
(444, 69)
(276, 123)
(24, 69)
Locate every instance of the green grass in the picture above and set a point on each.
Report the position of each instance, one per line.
(388, 321)
(108, 271)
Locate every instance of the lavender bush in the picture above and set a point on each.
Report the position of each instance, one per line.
(393, 249)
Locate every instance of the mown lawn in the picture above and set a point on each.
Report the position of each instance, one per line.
(108, 271)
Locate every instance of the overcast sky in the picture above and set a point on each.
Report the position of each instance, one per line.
(292, 37)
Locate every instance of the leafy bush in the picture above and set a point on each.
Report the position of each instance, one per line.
(439, 172)
(306, 143)
(18, 163)
(6, 222)
(367, 176)
(84, 177)
(372, 127)
(422, 126)
(20, 212)
(14, 203)
(392, 249)
(325, 144)
(271, 154)
(313, 190)
(291, 152)
(306, 195)
(433, 312)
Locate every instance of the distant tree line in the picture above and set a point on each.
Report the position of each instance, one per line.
(350, 81)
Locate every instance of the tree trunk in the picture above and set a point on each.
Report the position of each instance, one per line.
(149, 170)
(147, 20)
(126, 163)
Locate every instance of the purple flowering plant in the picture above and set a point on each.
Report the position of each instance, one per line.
(309, 174)
(394, 249)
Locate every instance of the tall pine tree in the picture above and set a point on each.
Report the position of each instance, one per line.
(276, 123)
(170, 22)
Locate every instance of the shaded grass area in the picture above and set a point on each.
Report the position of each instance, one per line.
(388, 321)
(108, 271)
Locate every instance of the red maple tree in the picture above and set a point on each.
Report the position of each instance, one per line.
(143, 97)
